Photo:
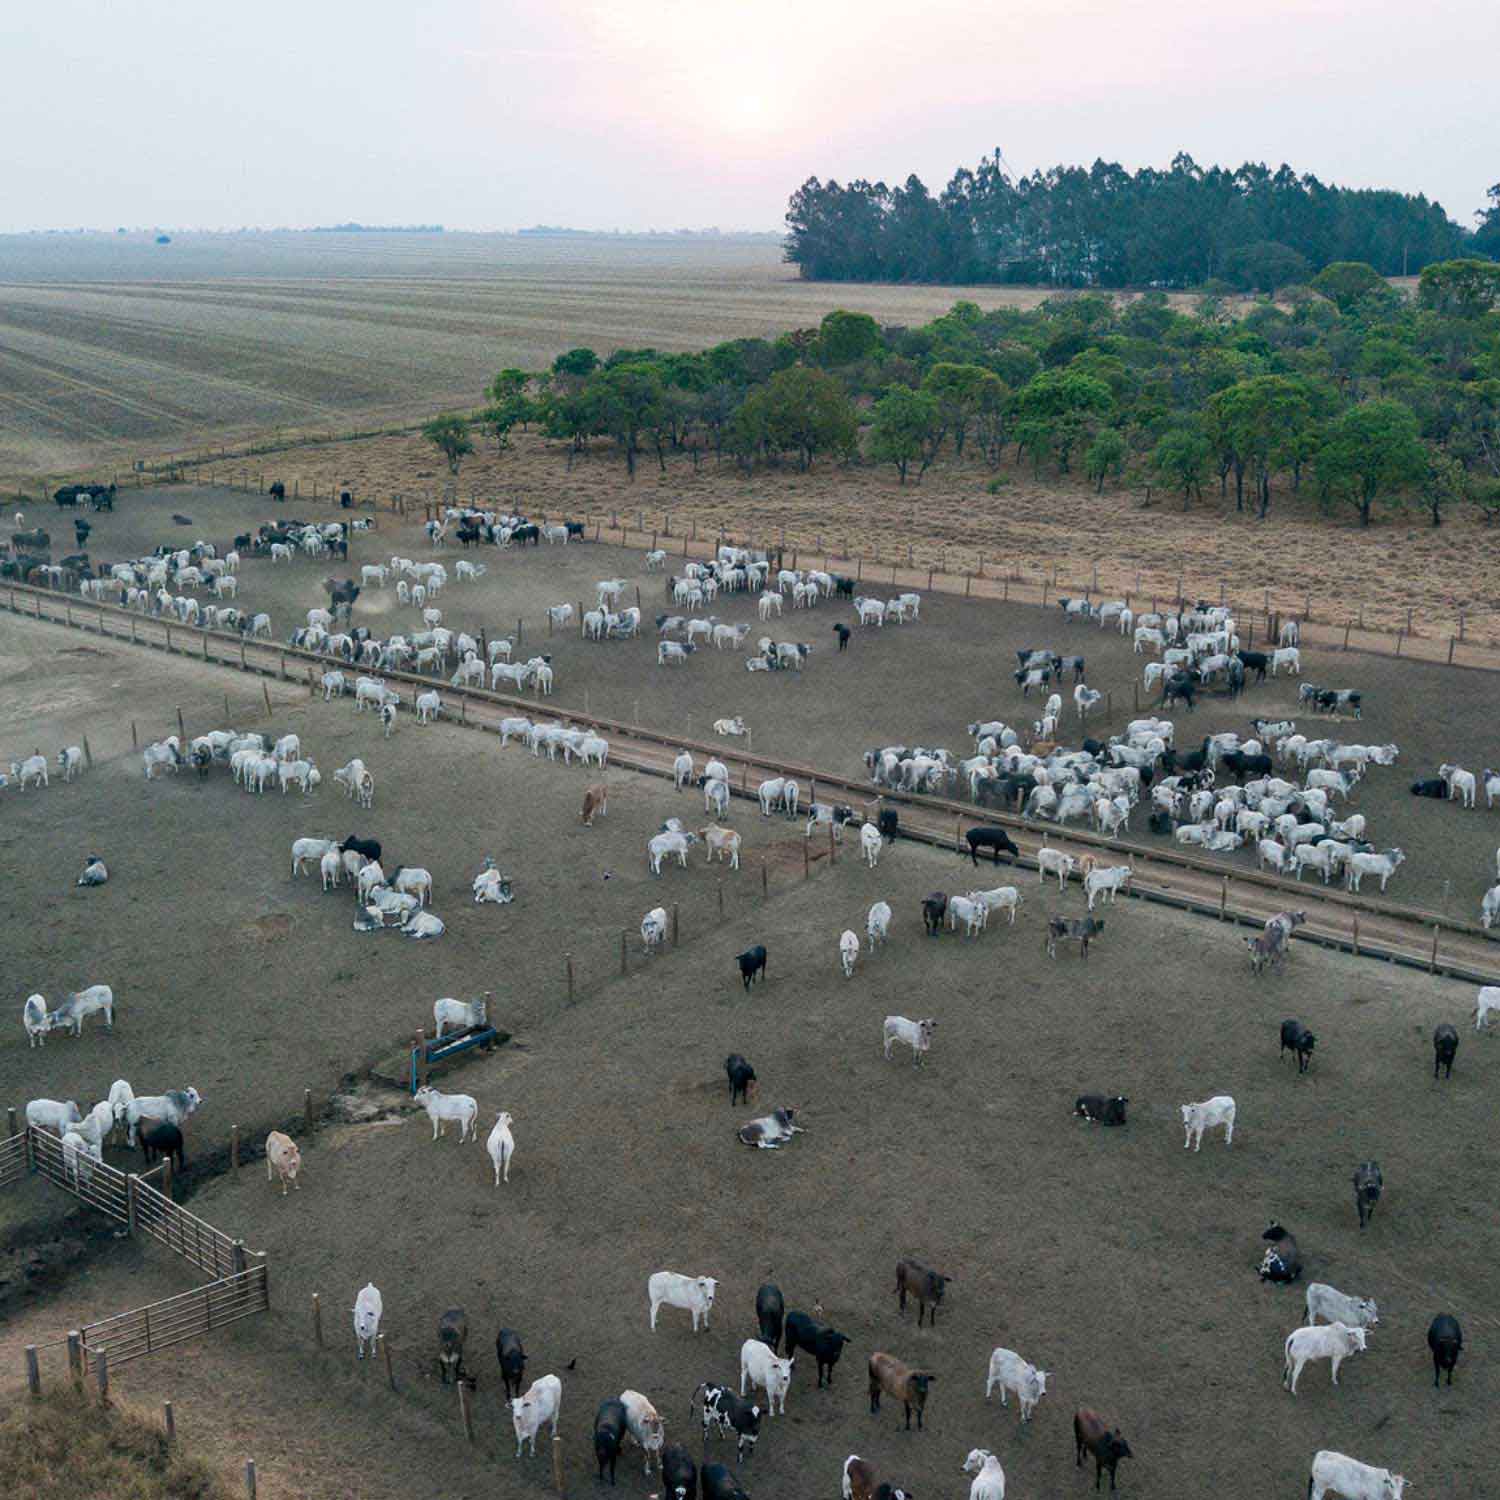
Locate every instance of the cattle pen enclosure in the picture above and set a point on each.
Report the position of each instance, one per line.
(1111, 1258)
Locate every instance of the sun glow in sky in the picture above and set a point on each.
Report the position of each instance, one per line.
(641, 113)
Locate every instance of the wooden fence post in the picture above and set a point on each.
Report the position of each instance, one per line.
(170, 1421)
(568, 960)
(674, 924)
(1223, 897)
(234, 1148)
(721, 900)
(250, 1478)
(265, 692)
(463, 1409)
(75, 1356)
(623, 957)
(307, 1108)
(317, 1320)
(1432, 962)
(88, 754)
(33, 1371)
(166, 1177)
(181, 732)
(1356, 935)
(132, 1187)
(101, 1374)
(10, 1121)
(764, 878)
(1450, 650)
(557, 1464)
(833, 858)
(1347, 624)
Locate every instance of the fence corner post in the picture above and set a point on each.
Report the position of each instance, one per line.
(75, 1356)
(33, 1371)
(101, 1372)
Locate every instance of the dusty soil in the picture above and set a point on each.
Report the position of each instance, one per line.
(231, 976)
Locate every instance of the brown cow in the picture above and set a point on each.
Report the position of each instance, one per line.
(923, 1284)
(900, 1382)
(595, 800)
(1091, 1431)
(283, 1155)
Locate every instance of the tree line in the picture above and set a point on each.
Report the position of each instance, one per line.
(1345, 389)
(1101, 226)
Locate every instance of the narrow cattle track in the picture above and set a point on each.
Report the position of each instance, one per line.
(1354, 922)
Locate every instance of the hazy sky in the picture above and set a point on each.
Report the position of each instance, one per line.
(661, 113)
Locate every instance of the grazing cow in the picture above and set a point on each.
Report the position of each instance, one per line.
(1196, 1118)
(643, 1425)
(1333, 1342)
(367, 1311)
(609, 1433)
(770, 1313)
(1367, 1187)
(512, 1357)
(770, 1131)
(992, 838)
(934, 912)
(888, 1375)
(917, 1034)
(1012, 1373)
(761, 1367)
(1093, 1434)
(1296, 1038)
(595, 803)
(284, 1158)
(73, 1010)
(1349, 1479)
(1444, 1049)
(724, 1410)
(823, 1343)
(679, 1474)
(694, 1294)
(752, 962)
(1446, 1340)
(742, 1080)
(1282, 1260)
(453, 1332)
(848, 952)
(1101, 1109)
(1081, 930)
(925, 1285)
(541, 1403)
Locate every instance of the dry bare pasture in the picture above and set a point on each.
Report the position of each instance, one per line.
(113, 348)
(1113, 1258)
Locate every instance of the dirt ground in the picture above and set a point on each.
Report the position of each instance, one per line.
(1436, 714)
(234, 978)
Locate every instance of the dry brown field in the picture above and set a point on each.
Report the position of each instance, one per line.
(1112, 1258)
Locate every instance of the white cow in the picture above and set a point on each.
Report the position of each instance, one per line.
(878, 923)
(694, 1294)
(1487, 1000)
(989, 1476)
(1334, 1342)
(1012, 1373)
(1002, 898)
(1106, 882)
(501, 1146)
(916, 1034)
(1054, 862)
(760, 1366)
(367, 1311)
(1324, 1301)
(848, 952)
(870, 844)
(1337, 1474)
(654, 929)
(541, 1404)
(444, 1107)
(643, 1425)
(34, 1019)
(1196, 1118)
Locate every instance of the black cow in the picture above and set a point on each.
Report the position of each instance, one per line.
(1184, 762)
(1282, 1260)
(575, 529)
(67, 495)
(987, 836)
(924, 1285)
(346, 500)
(726, 1411)
(370, 848)
(81, 531)
(102, 497)
(453, 1333)
(277, 492)
(824, 1344)
(1433, 787)
(1159, 822)
(1093, 1434)
(679, 1474)
(468, 536)
(742, 1080)
(1296, 1038)
(1444, 1049)
(719, 1484)
(1446, 1340)
(1242, 766)
(770, 1312)
(752, 962)
(842, 632)
(1367, 1185)
(1080, 930)
(1255, 661)
(1074, 664)
(609, 1434)
(31, 541)
(1099, 1109)
(530, 532)
(934, 910)
(843, 586)
(1179, 688)
(512, 1359)
(161, 1138)
(888, 823)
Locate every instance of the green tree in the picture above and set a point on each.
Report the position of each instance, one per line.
(1106, 456)
(1258, 422)
(907, 429)
(1183, 458)
(627, 401)
(957, 390)
(497, 420)
(449, 433)
(844, 337)
(576, 362)
(1055, 412)
(807, 412)
(1347, 282)
(991, 409)
(1460, 288)
(508, 385)
(1372, 448)
(1444, 483)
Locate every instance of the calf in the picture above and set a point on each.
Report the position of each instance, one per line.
(1093, 1434)
(1444, 1049)
(1101, 1109)
(1296, 1038)
(823, 1343)
(34, 1019)
(1367, 1187)
(925, 1286)
(284, 1158)
(752, 964)
(917, 1034)
(1073, 930)
(1012, 1373)
(1196, 1118)
(770, 1131)
(1333, 1342)
(1446, 1340)
(761, 1367)
(609, 1434)
(694, 1294)
(770, 1313)
(742, 1080)
(934, 912)
(889, 1376)
(511, 1355)
(724, 1410)
(453, 1332)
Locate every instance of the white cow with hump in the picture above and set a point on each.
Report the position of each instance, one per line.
(694, 1294)
(541, 1404)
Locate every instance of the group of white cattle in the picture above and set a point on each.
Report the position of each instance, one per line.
(398, 900)
(32, 771)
